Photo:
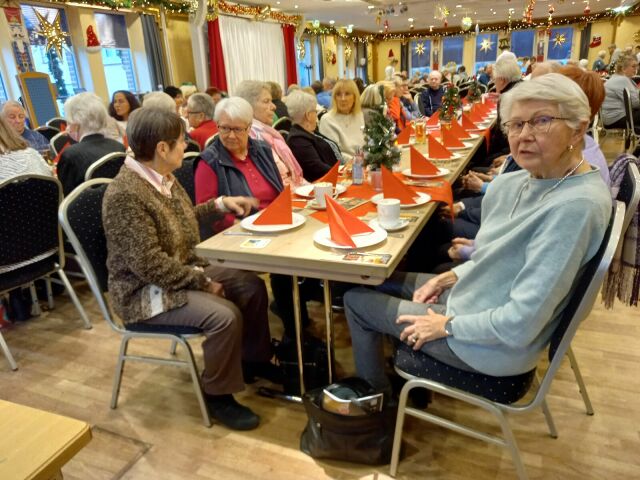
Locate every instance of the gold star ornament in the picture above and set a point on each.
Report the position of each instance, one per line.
(559, 39)
(486, 44)
(52, 32)
(419, 48)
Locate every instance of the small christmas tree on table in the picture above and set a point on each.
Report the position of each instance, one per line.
(450, 103)
(380, 139)
(474, 93)
(93, 45)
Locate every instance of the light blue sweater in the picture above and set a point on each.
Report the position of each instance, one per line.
(529, 250)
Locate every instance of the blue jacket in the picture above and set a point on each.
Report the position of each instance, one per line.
(431, 100)
(324, 98)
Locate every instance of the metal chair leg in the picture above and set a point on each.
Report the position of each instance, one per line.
(581, 386)
(7, 353)
(549, 419)
(47, 282)
(195, 377)
(74, 297)
(511, 445)
(174, 345)
(397, 436)
(117, 379)
(35, 305)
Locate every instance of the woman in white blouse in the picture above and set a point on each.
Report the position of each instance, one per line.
(344, 123)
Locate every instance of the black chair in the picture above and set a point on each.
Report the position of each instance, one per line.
(59, 141)
(31, 239)
(47, 132)
(321, 114)
(498, 395)
(210, 139)
(284, 133)
(185, 175)
(630, 136)
(106, 167)
(283, 123)
(192, 146)
(80, 215)
(58, 122)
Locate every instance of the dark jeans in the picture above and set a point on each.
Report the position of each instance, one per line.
(622, 123)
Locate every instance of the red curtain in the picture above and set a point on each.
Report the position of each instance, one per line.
(217, 76)
(290, 53)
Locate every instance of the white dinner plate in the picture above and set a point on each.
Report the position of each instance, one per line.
(403, 222)
(455, 149)
(247, 224)
(421, 200)
(454, 156)
(307, 190)
(323, 237)
(441, 173)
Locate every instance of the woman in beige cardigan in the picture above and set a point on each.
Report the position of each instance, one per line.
(155, 276)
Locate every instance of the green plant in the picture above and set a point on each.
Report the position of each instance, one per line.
(450, 102)
(475, 92)
(380, 141)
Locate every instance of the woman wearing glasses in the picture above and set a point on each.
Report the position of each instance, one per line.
(495, 313)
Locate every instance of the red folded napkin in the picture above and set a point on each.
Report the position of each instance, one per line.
(450, 139)
(405, 135)
(467, 123)
(57, 157)
(433, 120)
(436, 149)
(343, 224)
(420, 165)
(458, 131)
(279, 212)
(331, 176)
(442, 193)
(392, 187)
(482, 109)
(475, 115)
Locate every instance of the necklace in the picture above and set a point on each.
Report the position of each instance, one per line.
(567, 175)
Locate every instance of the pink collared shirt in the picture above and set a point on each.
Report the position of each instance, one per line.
(160, 183)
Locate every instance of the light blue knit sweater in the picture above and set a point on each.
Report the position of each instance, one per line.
(532, 244)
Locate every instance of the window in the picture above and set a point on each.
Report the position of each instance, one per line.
(522, 43)
(116, 55)
(63, 71)
(3, 91)
(486, 50)
(452, 50)
(560, 40)
(420, 57)
(305, 65)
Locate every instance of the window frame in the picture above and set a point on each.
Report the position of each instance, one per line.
(127, 65)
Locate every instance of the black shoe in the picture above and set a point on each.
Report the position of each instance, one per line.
(251, 371)
(230, 413)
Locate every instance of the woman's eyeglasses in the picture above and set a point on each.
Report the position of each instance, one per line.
(228, 130)
(540, 124)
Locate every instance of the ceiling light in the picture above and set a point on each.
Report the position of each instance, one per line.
(454, 14)
(379, 31)
(458, 6)
(495, 13)
(370, 7)
(331, 22)
(410, 19)
(295, 6)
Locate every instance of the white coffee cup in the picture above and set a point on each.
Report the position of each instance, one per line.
(320, 190)
(389, 212)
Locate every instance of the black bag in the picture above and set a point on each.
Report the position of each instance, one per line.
(314, 357)
(364, 439)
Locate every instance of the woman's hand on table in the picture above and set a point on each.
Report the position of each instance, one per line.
(422, 328)
(240, 206)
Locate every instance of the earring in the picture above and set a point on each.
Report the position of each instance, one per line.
(571, 148)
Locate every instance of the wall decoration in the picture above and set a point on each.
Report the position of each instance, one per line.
(348, 51)
(93, 45)
(503, 43)
(52, 33)
(419, 48)
(466, 23)
(19, 40)
(559, 39)
(301, 49)
(486, 44)
(596, 40)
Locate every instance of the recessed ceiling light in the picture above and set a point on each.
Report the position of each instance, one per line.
(410, 19)
(379, 31)
(295, 6)
(495, 13)
(454, 14)
(278, 3)
(331, 22)
(475, 13)
(458, 6)
(573, 3)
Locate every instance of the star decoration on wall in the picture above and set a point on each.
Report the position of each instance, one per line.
(486, 44)
(559, 40)
(419, 48)
(52, 32)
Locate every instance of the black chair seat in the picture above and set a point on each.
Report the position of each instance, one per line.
(504, 390)
(142, 327)
(22, 276)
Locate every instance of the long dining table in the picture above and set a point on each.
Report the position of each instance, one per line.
(294, 252)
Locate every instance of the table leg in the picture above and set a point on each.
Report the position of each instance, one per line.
(328, 318)
(298, 322)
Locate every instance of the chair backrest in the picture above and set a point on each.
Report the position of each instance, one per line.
(584, 295)
(29, 227)
(283, 123)
(186, 175)
(210, 139)
(463, 91)
(106, 167)
(58, 122)
(628, 112)
(59, 141)
(629, 193)
(192, 146)
(80, 215)
(47, 132)
(285, 134)
(321, 113)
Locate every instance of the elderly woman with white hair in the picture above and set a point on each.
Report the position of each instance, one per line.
(200, 109)
(87, 119)
(316, 152)
(160, 101)
(258, 94)
(496, 313)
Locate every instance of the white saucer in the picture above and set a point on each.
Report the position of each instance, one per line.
(307, 190)
(441, 173)
(421, 200)
(454, 156)
(399, 226)
(247, 224)
(323, 237)
(313, 204)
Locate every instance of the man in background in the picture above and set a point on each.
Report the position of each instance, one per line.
(431, 97)
(14, 113)
(324, 97)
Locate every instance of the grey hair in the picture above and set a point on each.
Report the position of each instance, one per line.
(507, 68)
(602, 53)
(298, 104)
(250, 90)
(201, 102)
(553, 88)
(236, 108)
(87, 111)
(371, 97)
(10, 103)
(160, 101)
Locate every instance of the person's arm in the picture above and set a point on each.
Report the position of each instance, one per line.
(206, 185)
(313, 166)
(430, 291)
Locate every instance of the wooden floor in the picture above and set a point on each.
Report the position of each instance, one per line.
(156, 431)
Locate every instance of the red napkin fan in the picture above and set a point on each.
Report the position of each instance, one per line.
(392, 187)
(449, 139)
(420, 165)
(458, 131)
(405, 135)
(279, 212)
(433, 120)
(467, 123)
(331, 176)
(342, 224)
(481, 108)
(442, 193)
(475, 116)
(57, 157)
(436, 149)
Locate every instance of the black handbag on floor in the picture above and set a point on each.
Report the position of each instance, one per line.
(366, 439)
(315, 360)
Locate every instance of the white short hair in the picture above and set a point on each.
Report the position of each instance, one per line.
(201, 102)
(298, 104)
(371, 97)
(188, 90)
(553, 88)
(11, 103)
(88, 111)
(160, 101)
(236, 108)
(507, 68)
(251, 90)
